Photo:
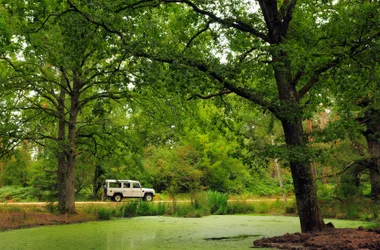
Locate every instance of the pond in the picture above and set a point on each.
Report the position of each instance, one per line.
(212, 232)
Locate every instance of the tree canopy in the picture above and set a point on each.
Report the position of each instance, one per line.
(74, 61)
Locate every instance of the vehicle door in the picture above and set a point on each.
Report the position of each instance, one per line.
(127, 190)
(136, 190)
(114, 187)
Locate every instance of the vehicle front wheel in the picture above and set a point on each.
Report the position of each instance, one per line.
(148, 197)
(117, 197)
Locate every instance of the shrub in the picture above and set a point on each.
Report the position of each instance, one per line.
(16, 193)
(146, 209)
(217, 202)
(104, 213)
(161, 208)
(353, 211)
(129, 209)
(240, 207)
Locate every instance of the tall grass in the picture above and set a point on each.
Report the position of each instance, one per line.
(206, 203)
(129, 209)
(104, 213)
(217, 202)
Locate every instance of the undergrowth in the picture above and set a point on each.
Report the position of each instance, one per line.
(15, 194)
(206, 203)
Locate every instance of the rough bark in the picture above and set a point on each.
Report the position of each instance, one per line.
(303, 181)
(62, 170)
(71, 154)
(296, 141)
(372, 135)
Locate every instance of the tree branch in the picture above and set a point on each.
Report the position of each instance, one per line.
(287, 14)
(230, 22)
(297, 77)
(47, 19)
(223, 92)
(243, 92)
(316, 76)
(113, 96)
(139, 4)
(337, 173)
(101, 24)
(198, 34)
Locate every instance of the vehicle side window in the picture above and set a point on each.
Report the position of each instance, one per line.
(115, 185)
(127, 185)
(136, 185)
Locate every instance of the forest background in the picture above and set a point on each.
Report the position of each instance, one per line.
(190, 97)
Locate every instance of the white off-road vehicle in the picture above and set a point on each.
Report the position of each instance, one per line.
(116, 190)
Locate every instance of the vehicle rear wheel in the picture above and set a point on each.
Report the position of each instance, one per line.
(117, 197)
(148, 197)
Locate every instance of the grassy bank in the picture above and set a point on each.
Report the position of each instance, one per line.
(203, 204)
(209, 203)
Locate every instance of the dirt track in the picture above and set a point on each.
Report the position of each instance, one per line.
(109, 202)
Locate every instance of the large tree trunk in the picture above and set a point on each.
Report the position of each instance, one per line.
(303, 181)
(374, 172)
(66, 170)
(296, 141)
(372, 134)
(71, 154)
(62, 169)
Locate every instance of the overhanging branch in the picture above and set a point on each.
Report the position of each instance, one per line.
(240, 91)
(110, 95)
(198, 34)
(317, 75)
(228, 22)
(223, 92)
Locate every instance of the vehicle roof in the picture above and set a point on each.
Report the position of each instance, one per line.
(121, 181)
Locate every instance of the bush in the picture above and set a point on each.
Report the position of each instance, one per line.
(240, 207)
(190, 211)
(104, 213)
(16, 193)
(142, 208)
(161, 208)
(129, 209)
(217, 202)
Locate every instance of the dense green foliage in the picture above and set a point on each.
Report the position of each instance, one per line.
(230, 97)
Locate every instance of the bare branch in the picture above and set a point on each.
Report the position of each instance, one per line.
(198, 34)
(245, 54)
(223, 92)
